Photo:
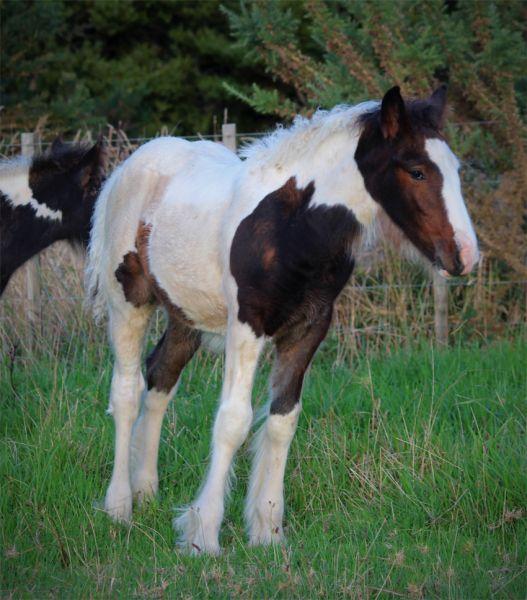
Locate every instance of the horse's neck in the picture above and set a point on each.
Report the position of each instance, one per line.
(338, 181)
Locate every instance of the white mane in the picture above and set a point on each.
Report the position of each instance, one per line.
(305, 134)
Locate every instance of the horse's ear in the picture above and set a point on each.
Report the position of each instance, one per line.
(57, 144)
(93, 163)
(437, 104)
(393, 114)
(96, 154)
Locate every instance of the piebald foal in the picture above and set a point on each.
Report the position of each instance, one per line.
(257, 249)
(47, 198)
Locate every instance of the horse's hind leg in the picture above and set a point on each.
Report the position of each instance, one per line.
(264, 507)
(127, 327)
(164, 366)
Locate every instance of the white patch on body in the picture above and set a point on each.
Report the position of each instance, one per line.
(184, 248)
(457, 213)
(14, 183)
(320, 149)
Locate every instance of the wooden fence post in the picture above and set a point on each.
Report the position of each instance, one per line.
(33, 306)
(228, 135)
(440, 309)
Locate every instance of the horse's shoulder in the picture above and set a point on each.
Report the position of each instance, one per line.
(285, 251)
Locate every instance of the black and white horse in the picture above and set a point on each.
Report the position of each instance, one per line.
(46, 198)
(255, 249)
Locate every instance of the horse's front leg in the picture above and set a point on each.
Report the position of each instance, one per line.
(264, 507)
(200, 523)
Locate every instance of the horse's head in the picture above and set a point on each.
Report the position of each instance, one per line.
(68, 179)
(48, 198)
(409, 169)
(68, 173)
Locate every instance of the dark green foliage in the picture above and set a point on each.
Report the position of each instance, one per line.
(141, 65)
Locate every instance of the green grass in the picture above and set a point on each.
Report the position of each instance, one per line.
(408, 476)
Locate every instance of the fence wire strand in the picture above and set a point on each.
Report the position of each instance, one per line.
(120, 138)
(355, 287)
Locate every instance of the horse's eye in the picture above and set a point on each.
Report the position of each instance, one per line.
(417, 175)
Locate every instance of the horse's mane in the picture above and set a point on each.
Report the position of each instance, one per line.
(305, 134)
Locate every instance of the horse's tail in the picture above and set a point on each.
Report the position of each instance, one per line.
(94, 284)
(128, 197)
(121, 205)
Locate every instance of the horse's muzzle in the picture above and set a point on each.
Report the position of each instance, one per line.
(457, 260)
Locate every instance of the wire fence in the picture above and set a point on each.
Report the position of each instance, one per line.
(141, 140)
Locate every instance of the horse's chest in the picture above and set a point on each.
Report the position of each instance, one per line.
(290, 259)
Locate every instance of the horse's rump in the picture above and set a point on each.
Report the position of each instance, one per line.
(165, 187)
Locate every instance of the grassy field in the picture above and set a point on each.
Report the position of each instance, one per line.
(407, 477)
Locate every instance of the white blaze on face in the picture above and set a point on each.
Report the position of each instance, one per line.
(448, 165)
(16, 187)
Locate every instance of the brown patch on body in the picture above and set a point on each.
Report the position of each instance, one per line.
(180, 341)
(291, 198)
(295, 349)
(132, 273)
(268, 257)
(136, 286)
(173, 351)
(140, 287)
(290, 260)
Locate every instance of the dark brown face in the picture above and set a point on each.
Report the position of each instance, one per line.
(401, 176)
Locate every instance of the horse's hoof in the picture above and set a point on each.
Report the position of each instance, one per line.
(265, 536)
(118, 505)
(194, 537)
(144, 488)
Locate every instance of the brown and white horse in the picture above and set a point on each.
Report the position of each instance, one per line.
(256, 249)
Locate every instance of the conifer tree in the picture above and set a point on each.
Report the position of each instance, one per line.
(142, 65)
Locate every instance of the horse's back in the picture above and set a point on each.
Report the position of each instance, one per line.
(172, 156)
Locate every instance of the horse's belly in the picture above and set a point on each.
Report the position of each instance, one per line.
(204, 305)
(184, 258)
(205, 308)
